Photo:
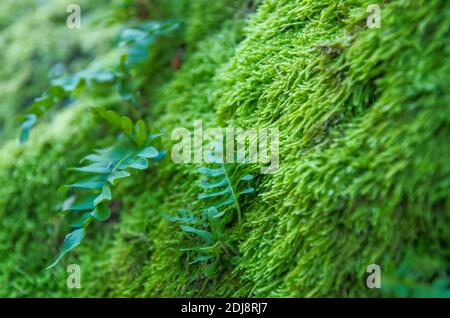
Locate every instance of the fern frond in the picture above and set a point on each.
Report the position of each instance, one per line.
(223, 187)
(137, 42)
(59, 91)
(102, 170)
(184, 217)
(214, 250)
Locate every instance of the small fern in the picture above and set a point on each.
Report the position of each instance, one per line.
(104, 168)
(223, 189)
(136, 43)
(59, 92)
(214, 249)
(185, 217)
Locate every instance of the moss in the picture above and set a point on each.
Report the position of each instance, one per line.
(363, 119)
(148, 246)
(31, 176)
(360, 140)
(349, 149)
(206, 17)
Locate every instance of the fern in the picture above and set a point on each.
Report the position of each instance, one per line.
(214, 249)
(132, 149)
(223, 189)
(103, 169)
(185, 217)
(60, 91)
(137, 40)
(136, 43)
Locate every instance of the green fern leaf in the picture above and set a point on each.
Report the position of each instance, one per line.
(71, 241)
(223, 188)
(185, 217)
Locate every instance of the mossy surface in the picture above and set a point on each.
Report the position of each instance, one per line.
(364, 178)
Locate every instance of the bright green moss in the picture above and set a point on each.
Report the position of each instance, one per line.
(148, 246)
(364, 126)
(363, 129)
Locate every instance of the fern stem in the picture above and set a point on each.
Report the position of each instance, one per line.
(236, 201)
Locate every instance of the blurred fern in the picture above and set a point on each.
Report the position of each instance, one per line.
(136, 42)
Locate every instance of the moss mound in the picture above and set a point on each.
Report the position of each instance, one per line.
(364, 178)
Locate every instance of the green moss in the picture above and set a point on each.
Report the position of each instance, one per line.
(364, 178)
(363, 131)
(355, 169)
(31, 228)
(206, 17)
(148, 246)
